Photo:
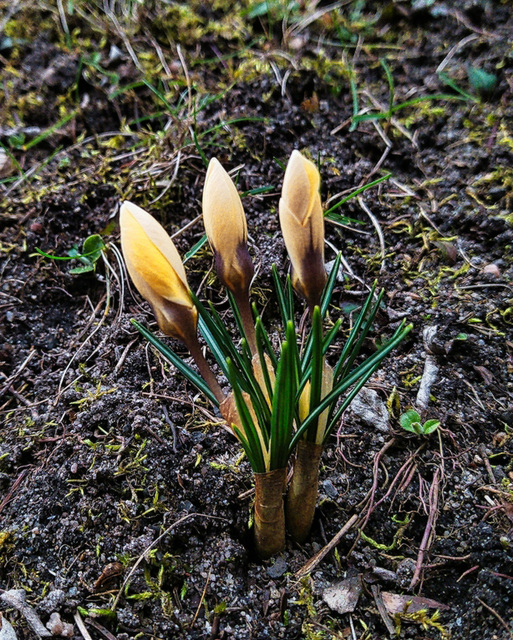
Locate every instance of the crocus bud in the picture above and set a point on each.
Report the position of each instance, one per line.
(225, 226)
(304, 402)
(302, 226)
(157, 271)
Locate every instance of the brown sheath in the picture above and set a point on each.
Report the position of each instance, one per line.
(303, 490)
(269, 512)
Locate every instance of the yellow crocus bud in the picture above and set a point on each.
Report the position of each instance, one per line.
(156, 269)
(302, 226)
(225, 226)
(304, 402)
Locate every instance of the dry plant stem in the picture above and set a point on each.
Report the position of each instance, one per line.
(242, 301)
(303, 490)
(309, 566)
(269, 512)
(205, 370)
(430, 526)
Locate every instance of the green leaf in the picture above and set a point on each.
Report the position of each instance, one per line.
(195, 248)
(283, 297)
(430, 426)
(284, 404)
(83, 269)
(359, 375)
(93, 247)
(189, 373)
(408, 418)
(317, 370)
(481, 81)
(250, 438)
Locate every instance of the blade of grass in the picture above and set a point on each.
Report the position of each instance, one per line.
(391, 88)
(355, 193)
(48, 132)
(195, 248)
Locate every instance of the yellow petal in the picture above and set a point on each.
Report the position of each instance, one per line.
(301, 187)
(304, 402)
(157, 271)
(326, 387)
(226, 228)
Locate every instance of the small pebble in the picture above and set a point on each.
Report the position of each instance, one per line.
(278, 568)
(493, 270)
(59, 628)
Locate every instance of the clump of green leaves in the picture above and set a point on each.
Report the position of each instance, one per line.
(411, 421)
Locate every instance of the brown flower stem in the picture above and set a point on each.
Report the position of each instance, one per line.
(269, 512)
(204, 368)
(248, 322)
(303, 490)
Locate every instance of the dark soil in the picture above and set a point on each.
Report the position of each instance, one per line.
(123, 501)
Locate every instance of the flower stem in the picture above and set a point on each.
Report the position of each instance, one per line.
(204, 368)
(248, 322)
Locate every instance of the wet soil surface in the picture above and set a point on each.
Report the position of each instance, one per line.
(124, 503)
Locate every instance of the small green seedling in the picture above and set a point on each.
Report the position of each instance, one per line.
(91, 253)
(410, 421)
(92, 249)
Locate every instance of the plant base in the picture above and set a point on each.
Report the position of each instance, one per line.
(269, 512)
(303, 490)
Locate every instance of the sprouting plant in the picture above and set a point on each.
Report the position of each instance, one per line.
(92, 249)
(411, 421)
(277, 398)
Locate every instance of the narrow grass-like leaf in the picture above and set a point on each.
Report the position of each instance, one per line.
(283, 303)
(353, 335)
(170, 355)
(354, 95)
(366, 368)
(236, 315)
(195, 248)
(391, 88)
(258, 399)
(355, 193)
(330, 285)
(213, 345)
(316, 370)
(217, 337)
(283, 404)
(348, 363)
(259, 327)
(48, 132)
(251, 431)
(260, 344)
(289, 298)
(258, 190)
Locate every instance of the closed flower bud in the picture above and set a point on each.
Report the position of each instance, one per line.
(225, 226)
(302, 225)
(304, 402)
(157, 271)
